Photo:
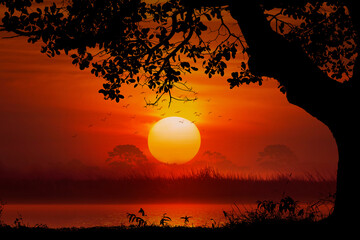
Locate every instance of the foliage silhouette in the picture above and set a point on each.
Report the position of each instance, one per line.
(164, 220)
(19, 222)
(285, 210)
(186, 219)
(133, 218)
(309, 46)
(142, 212)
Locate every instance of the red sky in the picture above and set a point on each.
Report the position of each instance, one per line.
(51, 114)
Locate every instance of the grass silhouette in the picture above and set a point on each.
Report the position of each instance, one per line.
(284, 214)
(278, 213)
(286, 210)
(186, 219)
(205, 185)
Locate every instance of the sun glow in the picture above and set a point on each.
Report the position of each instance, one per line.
(174, 140)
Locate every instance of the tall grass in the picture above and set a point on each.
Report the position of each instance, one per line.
(204, 185)
(286, 210)
(1, 210)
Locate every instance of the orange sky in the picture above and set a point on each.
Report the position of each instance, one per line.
(51, 112)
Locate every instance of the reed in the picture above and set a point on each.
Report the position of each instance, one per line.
(203, 185)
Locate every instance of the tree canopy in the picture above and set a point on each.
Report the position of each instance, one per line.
(154, 44)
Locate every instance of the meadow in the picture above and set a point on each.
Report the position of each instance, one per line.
(205, 186)
(277, 213)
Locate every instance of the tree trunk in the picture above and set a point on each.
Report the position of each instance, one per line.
(311, 89)
(346, 135)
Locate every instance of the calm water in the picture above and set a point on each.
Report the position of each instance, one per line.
(89, 215)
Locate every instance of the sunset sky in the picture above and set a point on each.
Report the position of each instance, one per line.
(53, 120)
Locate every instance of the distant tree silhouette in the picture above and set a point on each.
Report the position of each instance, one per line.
(128, 154)
(309, 46)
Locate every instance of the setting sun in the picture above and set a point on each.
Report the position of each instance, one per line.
(174, 140)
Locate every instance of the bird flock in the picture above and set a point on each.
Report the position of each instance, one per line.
(163, 113)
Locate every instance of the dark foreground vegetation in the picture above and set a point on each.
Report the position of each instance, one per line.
(279, 218)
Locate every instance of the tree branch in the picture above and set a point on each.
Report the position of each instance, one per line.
(20, 33)
(267, 4)
(178, 47)
(270, 54)
(171, 34)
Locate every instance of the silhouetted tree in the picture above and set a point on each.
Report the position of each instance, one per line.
(309, 46)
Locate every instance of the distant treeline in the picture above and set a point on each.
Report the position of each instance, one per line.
(203, 187)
